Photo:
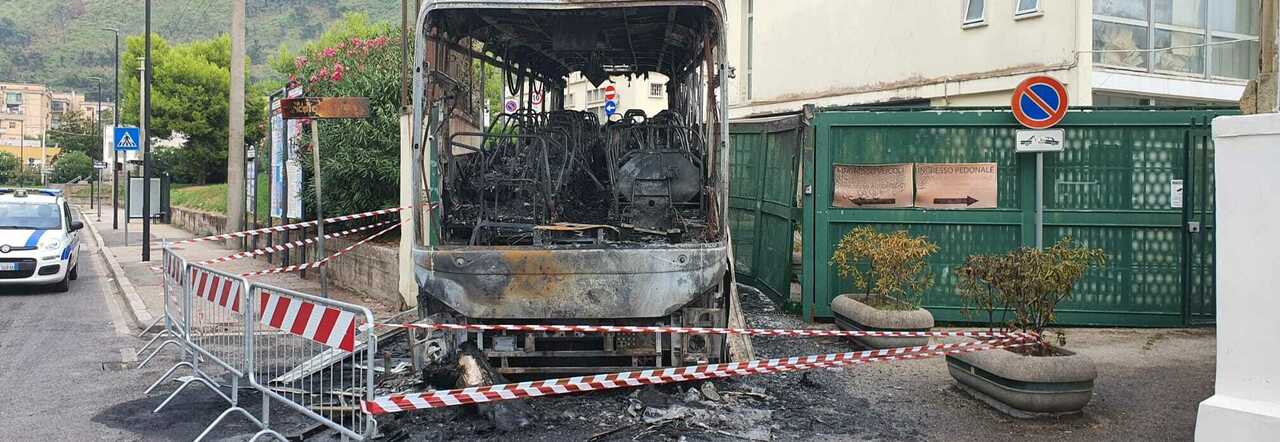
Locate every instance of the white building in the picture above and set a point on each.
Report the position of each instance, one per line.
(974, 52)
(647, 94)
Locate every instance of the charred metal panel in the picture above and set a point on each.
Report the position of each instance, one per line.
(525, 282)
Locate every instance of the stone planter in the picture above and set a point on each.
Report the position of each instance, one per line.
(1026, 386)
(852, 314)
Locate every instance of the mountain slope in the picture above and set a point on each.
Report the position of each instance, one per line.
(60, 43)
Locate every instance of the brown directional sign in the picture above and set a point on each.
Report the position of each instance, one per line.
(872, 186)
(324, 108)
(956, 186)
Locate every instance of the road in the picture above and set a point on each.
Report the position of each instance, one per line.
(66, 368)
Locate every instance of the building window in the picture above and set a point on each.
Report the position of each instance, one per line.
(1214, 38)
(655, 90)
(13, 102)
(570, 101)
(1026, 7)
(975, 11)
(13, 124)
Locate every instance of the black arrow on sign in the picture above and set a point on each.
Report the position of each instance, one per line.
(968, 200)
(873, 201)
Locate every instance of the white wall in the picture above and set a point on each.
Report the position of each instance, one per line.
(866, 51)
(1246, 401)
(632, 93)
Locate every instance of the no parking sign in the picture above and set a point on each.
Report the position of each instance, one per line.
(1039, 102)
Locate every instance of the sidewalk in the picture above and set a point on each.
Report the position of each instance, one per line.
(142, 286)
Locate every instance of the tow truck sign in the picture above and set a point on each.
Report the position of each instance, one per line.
(1048, 140)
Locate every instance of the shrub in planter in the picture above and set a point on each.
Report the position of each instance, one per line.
(889, 272)
(1020, 291)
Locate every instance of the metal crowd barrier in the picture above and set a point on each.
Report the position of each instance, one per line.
(312, 354)
(173, 268)
(318, 359)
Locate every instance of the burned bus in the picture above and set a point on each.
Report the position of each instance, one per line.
(547, 215)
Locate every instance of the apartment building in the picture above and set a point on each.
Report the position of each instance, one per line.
(647, 94)
(974, 52)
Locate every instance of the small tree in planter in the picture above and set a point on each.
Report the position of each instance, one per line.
(889, 271)
(1026, 286)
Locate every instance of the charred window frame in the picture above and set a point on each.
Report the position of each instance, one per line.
(698, 89)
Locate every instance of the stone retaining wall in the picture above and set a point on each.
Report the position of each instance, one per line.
(370, 270)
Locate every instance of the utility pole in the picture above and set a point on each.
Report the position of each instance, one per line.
(146, 143)
(235, 137)
(115, 172)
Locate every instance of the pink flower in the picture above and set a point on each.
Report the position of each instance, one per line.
(324, 72)
(379, 42)
(328, 52)
(293, 78)
(314, 78)
(299, 62)
(356, 42)
(337, 72)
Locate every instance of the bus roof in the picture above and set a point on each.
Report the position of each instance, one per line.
(599, 38)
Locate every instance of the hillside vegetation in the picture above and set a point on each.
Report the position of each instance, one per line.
(60, 43)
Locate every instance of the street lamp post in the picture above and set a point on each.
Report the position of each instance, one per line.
(97, 121)
(146, 142)
(115, 174)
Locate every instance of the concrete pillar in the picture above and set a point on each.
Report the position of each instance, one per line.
(1246, 401)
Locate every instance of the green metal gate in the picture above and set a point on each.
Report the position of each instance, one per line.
(1111, 188)
(762, 199)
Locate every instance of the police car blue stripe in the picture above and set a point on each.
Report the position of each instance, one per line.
(34, 239)
(66, 253)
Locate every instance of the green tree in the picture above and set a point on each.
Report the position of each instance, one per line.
(359, 158)
(190, 90)
(8, 167)
(70, 166)
(77, 133)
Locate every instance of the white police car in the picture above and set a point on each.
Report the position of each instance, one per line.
(39, 243)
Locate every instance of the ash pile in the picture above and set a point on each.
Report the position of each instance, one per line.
(564, 178)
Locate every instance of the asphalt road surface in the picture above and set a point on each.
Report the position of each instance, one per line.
(66, 369)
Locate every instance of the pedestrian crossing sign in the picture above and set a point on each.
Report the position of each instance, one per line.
(126, 138)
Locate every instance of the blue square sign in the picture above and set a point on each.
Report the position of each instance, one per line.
(127, 138)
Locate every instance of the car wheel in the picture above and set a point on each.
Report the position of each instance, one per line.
(64, 285)
(74, 273)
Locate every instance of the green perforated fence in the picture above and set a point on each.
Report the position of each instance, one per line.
(762, 199)
(1110, 188)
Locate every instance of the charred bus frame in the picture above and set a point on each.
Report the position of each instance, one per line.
(513, 237)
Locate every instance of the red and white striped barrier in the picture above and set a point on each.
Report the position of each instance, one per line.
(172, 266)
(710, 331)
(315, 264)
(249, 233)
(326, 325)
(291, 245)
(465, 396)
(218, 289)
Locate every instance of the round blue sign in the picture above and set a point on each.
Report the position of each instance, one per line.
(610, 108)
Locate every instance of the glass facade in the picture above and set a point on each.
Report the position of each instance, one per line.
(1202, 38)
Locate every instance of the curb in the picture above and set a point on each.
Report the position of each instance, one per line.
(142, 317)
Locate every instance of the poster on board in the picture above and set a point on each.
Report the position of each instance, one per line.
(277, 160)
(872, 186)
(956, 186)
(293, 170)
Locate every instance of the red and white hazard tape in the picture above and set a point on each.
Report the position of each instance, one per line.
(322, 262)
(222, 290)
(326, 325)
(464, 396)
(291, 245)
(709, 331)
(249, 233)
